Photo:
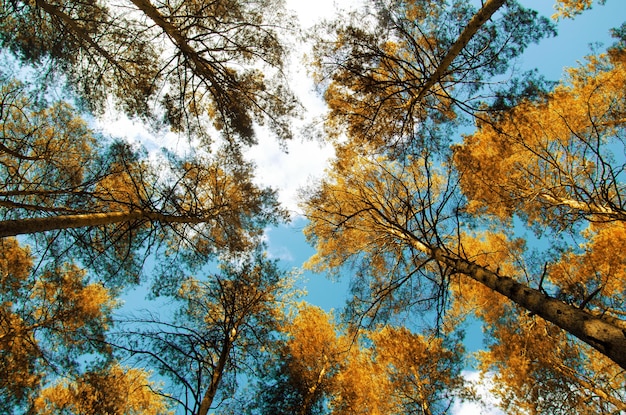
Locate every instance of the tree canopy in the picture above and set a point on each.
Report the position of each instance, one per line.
(440, 225)
(462, 192)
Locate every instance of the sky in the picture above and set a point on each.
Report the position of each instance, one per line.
(305, 161)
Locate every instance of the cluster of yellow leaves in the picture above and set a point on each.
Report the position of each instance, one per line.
(421, 371)
(122, 189)
(17, 345)
(370, 206)
(42, 315)
(571, 8)
(42, 149)
(538, 369)
(551, 159)
(393, 371)
(116, 390)
(376, 79)
(315, 351)
(64, 299)
(601, 264)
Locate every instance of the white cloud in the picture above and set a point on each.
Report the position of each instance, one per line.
(488, 404)
(289, 170)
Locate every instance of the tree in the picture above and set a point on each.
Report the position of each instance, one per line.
(318, 369)
(302, 373)
(405, 373)
(430, 224)
(220, 61)
(400, 224)
(222, 326)
(48, 320)
(109, 201)
(401, 79)
(114, 390)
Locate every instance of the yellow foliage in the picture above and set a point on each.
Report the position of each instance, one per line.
(601, 264)
(117, 390)
(42, 315)
(551, 160)
(314, 346)
(66, 301)
(538, 369)
(571, 8)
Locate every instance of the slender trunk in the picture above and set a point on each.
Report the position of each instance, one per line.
(217, 78)
(605, 337)
(216, 378)
(201, 66)
(34, 225)
(309, 398)
(80, 33)
(485, 12)
(423, 400)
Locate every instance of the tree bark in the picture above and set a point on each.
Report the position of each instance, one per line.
(202, 67)
(485, 12)
(49, 223)
(33, 225)
(216, 378)
(600, 334)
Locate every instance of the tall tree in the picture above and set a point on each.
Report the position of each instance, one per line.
(222, 326)
(49, 319)
(219, 61)
(418, 224)
(61, 180)
(410, 71)
(400, 223)
(302, 374)
(319, 369)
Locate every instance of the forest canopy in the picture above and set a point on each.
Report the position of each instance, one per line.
(463, 192)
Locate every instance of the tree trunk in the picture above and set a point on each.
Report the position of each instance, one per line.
(34, 225)
(216, 378)
(201, 66)
(485, 12)
(605, 337)
(49, 223)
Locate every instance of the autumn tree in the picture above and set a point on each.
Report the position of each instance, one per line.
(302, 372)
(76, 192)
(428, 224)
(221, 324)
(400, 79)
(319, 368)
(220, 61)
(112, 389)
(49, 319)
